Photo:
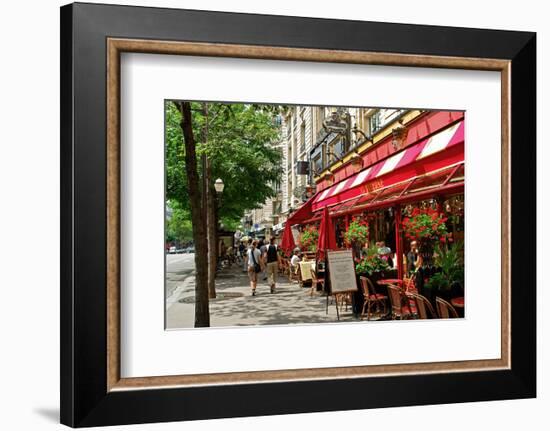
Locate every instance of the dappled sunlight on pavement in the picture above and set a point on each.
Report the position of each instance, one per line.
(235, 306)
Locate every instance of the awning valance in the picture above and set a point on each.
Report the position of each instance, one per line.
(303, 213)
(445, 181)
(445, 148)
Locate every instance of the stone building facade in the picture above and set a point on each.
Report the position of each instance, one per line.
(313, 139)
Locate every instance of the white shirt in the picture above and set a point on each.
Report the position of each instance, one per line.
(257, 255)
(295, 260)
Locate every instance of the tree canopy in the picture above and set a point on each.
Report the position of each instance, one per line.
(178, 226)
(238, 140)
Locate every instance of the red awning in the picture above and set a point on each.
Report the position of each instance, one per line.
(442, 150)
(446, 181)
(301, 214)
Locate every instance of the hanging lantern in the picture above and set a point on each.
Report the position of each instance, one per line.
(329, 176)
(356, 161)
(399, 137)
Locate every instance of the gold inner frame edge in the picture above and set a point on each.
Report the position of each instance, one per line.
(116, 46)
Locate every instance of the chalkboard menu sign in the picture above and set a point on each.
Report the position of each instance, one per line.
(341, 271)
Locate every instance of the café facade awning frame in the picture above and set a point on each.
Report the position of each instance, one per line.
(432, 167)
(443, 149)
(445, 181)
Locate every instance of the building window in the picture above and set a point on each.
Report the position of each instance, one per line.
(277, 186)
(302, 136)
(289, 158)
(321, 117)
(374, 123)
(318, 163)
(337, 149)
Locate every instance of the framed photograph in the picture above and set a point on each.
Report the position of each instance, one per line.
(267, 215)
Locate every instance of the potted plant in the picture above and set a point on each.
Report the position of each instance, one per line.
(427, 227)
(371, 265)
(450, 272)
(309, 238)
(357, 235)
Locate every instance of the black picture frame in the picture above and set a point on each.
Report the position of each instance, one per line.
(85, 400)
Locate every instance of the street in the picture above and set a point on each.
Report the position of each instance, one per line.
(178, 268)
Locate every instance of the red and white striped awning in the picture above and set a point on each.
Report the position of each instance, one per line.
(443, 149)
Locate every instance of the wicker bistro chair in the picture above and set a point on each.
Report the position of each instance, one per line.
(408, 285)
(316, 281)
(423, 306)
(294, 273)
(400, 305)
(372, 298)
(445, 309)
(283, 266)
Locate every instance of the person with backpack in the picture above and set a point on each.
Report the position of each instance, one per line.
(254, 266)
(263, 247)
(271, 257)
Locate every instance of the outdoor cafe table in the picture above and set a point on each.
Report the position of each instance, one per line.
(458, 304)
(305, 269)
(395, 281)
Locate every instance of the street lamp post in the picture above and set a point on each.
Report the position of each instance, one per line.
(219, 186)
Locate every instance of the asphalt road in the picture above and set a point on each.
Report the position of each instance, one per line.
(180, 262)
(178, 268)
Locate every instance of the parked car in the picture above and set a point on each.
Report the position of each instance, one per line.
(172, 250)
(190, 249)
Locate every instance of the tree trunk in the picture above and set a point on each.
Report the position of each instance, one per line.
(202, 313)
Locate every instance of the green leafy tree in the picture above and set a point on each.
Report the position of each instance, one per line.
(179, 227)
(237, 141)
(240, 151)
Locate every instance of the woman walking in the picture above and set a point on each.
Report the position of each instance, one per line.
(254, 266)
(246, 247)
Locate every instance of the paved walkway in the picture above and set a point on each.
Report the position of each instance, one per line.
(235, 306)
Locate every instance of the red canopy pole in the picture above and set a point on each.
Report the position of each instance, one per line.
(398, 242)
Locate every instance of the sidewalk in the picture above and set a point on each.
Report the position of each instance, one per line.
(235, 306)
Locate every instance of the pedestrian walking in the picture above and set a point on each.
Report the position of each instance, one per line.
(272, 260)
(245, 254)
(254, 266)
(241, 252)
(263, 248)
